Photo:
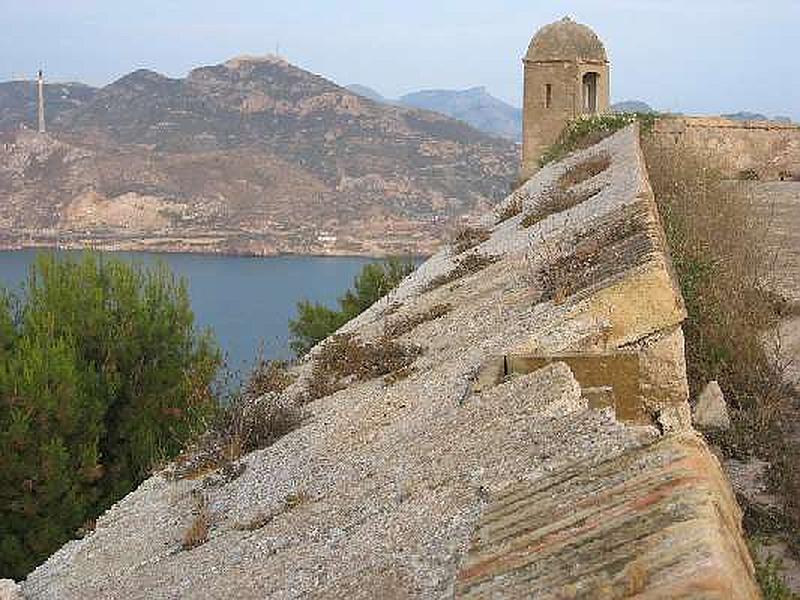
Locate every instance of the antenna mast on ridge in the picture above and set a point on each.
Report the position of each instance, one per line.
(40, 81)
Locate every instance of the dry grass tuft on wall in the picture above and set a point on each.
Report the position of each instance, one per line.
(510, 209)
(564, 196)
(254, 418)
(585, 170)
(557, 200)
(467, 238)
(346, 359)
(407, 324)
(268, 376)
(467, 265)
(197, 532)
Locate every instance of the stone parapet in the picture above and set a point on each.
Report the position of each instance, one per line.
(769, 150)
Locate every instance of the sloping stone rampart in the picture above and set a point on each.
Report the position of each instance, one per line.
(540, 446)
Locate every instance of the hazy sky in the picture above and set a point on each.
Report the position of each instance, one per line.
(694, 56)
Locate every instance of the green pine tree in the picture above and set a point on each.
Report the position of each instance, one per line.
(102, 376)
(316, 321)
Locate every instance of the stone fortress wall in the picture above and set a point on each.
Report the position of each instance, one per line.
(540, 446)
(770, 149)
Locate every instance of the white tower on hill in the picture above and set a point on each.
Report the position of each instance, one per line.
(40, 82)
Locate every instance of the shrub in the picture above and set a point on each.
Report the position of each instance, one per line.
(255, 423)
(467, 238)
(251, 419)
(267, 376)
(316, 322)
(345, 359)
(468, 264)
(769, 574)
(510, 209)
(584, 132)
(103, 375)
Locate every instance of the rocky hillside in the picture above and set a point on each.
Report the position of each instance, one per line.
(368, 92)
(628, 106)
(254, 155)
(18, 101)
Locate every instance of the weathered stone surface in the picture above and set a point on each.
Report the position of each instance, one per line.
(674, 418)
(778, 203)
(656, 522)
(9, 590)
(770, 149)
(400, 479)
(617, 372)
(711, 411)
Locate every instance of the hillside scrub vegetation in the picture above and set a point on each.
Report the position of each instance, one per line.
(315, 321)
(719, 251)
(103, 375)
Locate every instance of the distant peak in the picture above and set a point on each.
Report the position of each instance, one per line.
(143, 73)
(239, 61)
(140, 75)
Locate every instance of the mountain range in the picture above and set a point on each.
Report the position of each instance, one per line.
(474, 106)
(254, 156)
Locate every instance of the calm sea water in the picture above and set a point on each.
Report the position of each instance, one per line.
(246, 301)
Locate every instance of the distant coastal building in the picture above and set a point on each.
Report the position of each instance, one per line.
(567, 74)
(325, 237)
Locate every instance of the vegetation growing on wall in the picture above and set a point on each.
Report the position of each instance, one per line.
(769, 574)
(252, 417)
(315, 321)
(583, 132)
(719, 250)
(718, 245)
(103, 375)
